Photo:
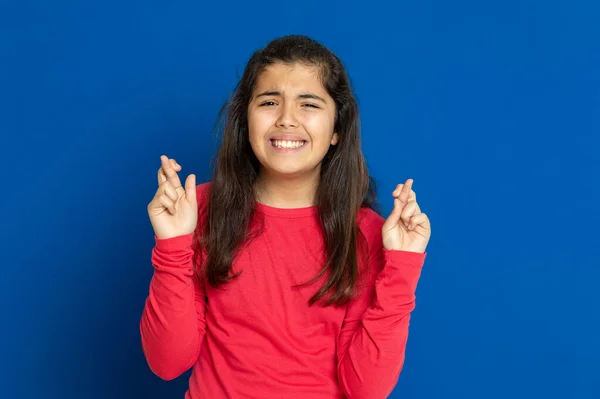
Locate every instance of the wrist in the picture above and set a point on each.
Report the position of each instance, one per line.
(174, 243)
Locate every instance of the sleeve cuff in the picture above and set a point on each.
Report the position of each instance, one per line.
(408, 258)
(174, 244)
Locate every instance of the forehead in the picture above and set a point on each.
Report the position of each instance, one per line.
(290, 76)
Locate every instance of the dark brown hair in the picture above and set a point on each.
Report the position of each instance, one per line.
(345, 185)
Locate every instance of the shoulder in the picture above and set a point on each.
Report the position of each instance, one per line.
(369, 222)
(203, 191)
(203, 198)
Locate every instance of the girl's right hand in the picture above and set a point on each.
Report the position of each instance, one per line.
(173, 211)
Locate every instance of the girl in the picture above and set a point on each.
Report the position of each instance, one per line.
(278, 279)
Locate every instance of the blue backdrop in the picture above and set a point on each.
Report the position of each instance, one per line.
(492, 108)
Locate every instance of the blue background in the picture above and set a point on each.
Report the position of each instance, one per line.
(492, 108)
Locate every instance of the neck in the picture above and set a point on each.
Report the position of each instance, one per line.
(286, 192)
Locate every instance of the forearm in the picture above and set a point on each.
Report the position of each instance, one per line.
(371, 362)
(169, 326)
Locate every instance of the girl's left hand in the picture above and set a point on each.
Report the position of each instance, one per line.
(407, 228)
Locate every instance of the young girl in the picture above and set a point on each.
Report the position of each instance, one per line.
(278, 279)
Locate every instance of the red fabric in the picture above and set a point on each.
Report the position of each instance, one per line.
(256, 337)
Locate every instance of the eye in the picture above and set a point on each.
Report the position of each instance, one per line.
(310, 105)
(267, 103)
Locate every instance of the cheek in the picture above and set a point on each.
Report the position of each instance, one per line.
(259, 124)
(320, 128)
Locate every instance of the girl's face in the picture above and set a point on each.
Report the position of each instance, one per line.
(290, 120)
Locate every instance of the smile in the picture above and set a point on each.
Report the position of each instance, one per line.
(287, 144)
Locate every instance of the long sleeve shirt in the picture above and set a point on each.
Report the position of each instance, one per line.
(257, 337)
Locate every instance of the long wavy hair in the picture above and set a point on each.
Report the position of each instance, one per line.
(344, 186)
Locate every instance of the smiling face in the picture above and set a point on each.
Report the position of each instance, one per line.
(290, 120)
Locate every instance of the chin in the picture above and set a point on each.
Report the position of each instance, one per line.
(288, 170)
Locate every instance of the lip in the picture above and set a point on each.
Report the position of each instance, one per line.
(286, 137)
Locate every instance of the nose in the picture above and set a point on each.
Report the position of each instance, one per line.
(287, 118)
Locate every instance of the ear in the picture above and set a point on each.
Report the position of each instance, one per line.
(334, 139)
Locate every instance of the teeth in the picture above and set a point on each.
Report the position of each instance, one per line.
(287, 144)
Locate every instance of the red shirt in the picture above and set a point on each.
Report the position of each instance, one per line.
(256, 336)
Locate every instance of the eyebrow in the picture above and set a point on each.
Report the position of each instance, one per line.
(303, 95)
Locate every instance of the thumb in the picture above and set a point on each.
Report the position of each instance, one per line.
(190, 188)
(394, 218)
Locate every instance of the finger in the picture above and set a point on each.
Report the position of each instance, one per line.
(394, 218)
(408, 212)
(169, 172)
(161, 176)
(169, 191)
(418, 209)
(405, 192)
(180, 191)
(420, 220)
(167, 203)
(398, 190)
(398, 203)
(175, 165)
(190, 188)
